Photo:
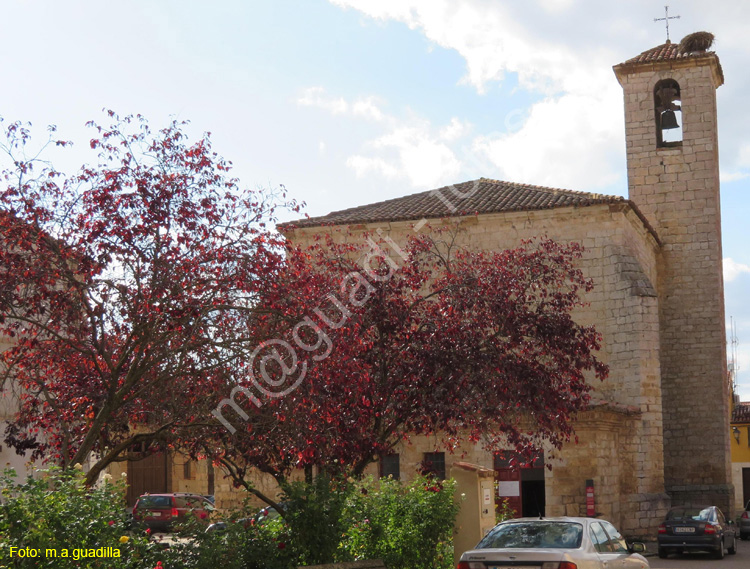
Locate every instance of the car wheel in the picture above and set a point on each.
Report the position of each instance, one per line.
(733, 548)
(663, 553)
(719, 553)
(744, 535)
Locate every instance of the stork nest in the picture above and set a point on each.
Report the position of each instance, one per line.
(698, 41)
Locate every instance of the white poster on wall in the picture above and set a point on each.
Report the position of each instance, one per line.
(509, 489)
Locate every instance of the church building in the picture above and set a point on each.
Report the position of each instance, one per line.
(657, 432)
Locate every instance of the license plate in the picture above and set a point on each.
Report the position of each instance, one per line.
(156, 514)
(684, 530)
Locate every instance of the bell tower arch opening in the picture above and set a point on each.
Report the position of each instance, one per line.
(668, 114)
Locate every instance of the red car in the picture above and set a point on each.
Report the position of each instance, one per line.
(159, 512)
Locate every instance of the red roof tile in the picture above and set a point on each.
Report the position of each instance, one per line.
(468, 198)
(666, 53)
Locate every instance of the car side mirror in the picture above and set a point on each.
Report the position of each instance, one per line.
(637, 547)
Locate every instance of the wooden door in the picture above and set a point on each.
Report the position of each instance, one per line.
(148, 475)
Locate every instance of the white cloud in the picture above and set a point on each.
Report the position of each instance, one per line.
(410, 148)
(455, 130)
(316, 97)
(363, 166)
(488, 37)
(733, 269)
(556, 6)
(566, 47)
(581, 115)
(413, 151)
(368, 109)
(725, 176)
(548, 147)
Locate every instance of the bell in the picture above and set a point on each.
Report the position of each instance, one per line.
(669, 120)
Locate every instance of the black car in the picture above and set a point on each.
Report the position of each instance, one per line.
(702, 528)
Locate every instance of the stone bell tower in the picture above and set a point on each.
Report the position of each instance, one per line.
(673, 178)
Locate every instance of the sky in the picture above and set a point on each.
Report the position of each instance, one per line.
(348, 102)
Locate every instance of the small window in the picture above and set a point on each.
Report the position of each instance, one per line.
(668, 114)
(390, 465)
(187, 470)
(434, 464)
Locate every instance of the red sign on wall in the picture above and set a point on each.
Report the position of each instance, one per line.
(590, 508)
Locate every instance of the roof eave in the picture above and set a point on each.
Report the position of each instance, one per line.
(629, 67)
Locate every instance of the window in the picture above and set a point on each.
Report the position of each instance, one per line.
(534, 534)
(599, 538)
(434, 464)
(616, 541)
(689, 513)
(668, 114)
(390, 465)
(147, 502)
(187, 470)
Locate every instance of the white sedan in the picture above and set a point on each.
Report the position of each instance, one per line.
(554, 543)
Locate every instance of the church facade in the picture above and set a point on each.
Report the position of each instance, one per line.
(657, 432)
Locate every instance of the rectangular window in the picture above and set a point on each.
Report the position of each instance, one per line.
(187, 470)
(390, 465)
(434, 463)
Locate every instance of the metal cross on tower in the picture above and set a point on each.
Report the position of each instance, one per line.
(666, 19)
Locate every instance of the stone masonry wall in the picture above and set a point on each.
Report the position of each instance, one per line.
(677, 188)
(621, 256)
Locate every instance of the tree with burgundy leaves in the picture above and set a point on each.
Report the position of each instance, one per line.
(378, 342)
(127, 291)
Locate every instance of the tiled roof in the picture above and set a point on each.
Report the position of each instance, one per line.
(666, 53)
(741, 413)
(468, 198)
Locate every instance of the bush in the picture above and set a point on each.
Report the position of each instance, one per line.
(56, 512)
(316, 519)
(408, 526)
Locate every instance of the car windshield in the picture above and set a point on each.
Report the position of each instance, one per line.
(698, 514)
(534, 534)
(154, 502)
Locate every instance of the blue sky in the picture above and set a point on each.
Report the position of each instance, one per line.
(347, 102)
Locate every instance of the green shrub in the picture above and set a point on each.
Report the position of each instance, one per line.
(408, 526)
(315, 518)
(57, 517)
